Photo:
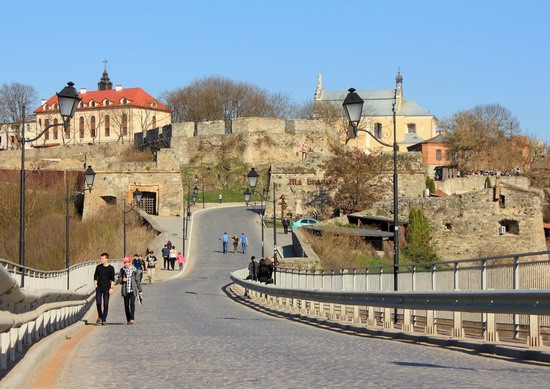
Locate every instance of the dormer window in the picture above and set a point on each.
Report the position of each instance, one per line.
(154, 104)
(92, 103)
(46, 107)
(124, 101)
(106, 102)
(80, 105)
(54, 106)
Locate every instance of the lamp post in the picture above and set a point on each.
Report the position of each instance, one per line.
(253, 181)
(195, 194)
(247, 194)
(137, 196)
(89, 176)
(353, 106)
(68, 101)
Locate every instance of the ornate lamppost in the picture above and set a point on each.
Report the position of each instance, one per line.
(89, 176)
(68, 100)
(353, 106)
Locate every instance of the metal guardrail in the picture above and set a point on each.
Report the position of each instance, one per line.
(347, 305)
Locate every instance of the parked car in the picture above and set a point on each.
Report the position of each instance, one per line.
(304, 221)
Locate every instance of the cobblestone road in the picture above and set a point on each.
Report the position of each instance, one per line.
(189, 333)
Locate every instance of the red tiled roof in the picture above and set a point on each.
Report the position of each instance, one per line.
(136, 97)
(546, 226)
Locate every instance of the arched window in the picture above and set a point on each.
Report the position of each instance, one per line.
(154, 122)
(46, 124)
(81, 127)
(92, 127)
(124, 124)
(107, 125)
(378, 130)
(55, 129)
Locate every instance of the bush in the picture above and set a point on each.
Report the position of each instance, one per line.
(419, 248)
(430, 184)
(488, 183)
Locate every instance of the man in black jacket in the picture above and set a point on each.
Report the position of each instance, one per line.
(104, 281)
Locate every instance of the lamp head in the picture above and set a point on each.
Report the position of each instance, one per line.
(68, 101)
(89, 176)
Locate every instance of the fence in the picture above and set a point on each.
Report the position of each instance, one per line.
(508, 276)
(43, 306)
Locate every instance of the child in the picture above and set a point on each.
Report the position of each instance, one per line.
(181, 260)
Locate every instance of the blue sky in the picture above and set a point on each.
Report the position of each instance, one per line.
(452, 55)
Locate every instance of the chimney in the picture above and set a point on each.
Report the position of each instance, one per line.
(118, 88)
(82, 91)
(43, 102)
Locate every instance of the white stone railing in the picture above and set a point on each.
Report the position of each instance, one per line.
(428, 298)
(43, 306)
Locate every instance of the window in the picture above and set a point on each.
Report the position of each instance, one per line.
(124, 124)
(154, 122)
(81, 127)
(46, 107)
(46, 124)
(438, 155)
(508, 226)
(106, 103)
(411, 128)
(80, 105)
(54, 106)
(154, 104)
(124, 101)
(55, 129)
(107, 126)
(378, 130)
(92, 103)
(92, 127)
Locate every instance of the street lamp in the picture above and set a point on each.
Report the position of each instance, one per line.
(195, 194)
(353, 106)
(252, 177)
(137, 196)
(89, 176)
(68, 100)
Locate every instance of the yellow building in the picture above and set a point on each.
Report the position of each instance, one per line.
(103, 116)
(414, 124)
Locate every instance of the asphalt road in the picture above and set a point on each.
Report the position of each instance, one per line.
(189, 333)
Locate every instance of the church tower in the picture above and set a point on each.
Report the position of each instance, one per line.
(105, 83)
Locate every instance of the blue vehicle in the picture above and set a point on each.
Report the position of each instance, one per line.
(305, 221)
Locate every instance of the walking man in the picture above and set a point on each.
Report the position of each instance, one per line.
(244, 242)
(253, 269)
(220, 197)
(130, 288)
(104, 281)
(151, 261)
(286, 223)
(166, 255)
(225, 240)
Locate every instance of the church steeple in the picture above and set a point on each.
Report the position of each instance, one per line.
(105, 83)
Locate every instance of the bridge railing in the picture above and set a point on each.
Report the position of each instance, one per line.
(43, 306)
(465, 296)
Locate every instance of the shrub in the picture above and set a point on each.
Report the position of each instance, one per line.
(419, 247)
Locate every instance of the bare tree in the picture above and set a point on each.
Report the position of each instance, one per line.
(118, 122)
(218, 98)
(483, 138)
(13, 97)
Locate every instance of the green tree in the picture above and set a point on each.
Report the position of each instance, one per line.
(488, 183)
(419, 239)
(430, 184)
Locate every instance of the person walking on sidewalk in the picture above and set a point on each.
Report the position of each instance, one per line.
(151, 261)
(225, 240)
(181, 260)
(244, 242)
(253, 269)
(139, 264)
(165, 252)
(173, 256)
(235, 240)
(131, 287)
(286, 223)
(104, 281)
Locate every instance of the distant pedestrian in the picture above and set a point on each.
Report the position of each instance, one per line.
(139, 265)
(173, 256)
(130, 288)
(181, 260)
(244, 242)
(235, 241)
(104, 281)
(263, 271)
(225, 240)
(151, 262)
(303, 151)
(253, 269)
(286, 224)
(220, 197)
(165, 252)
